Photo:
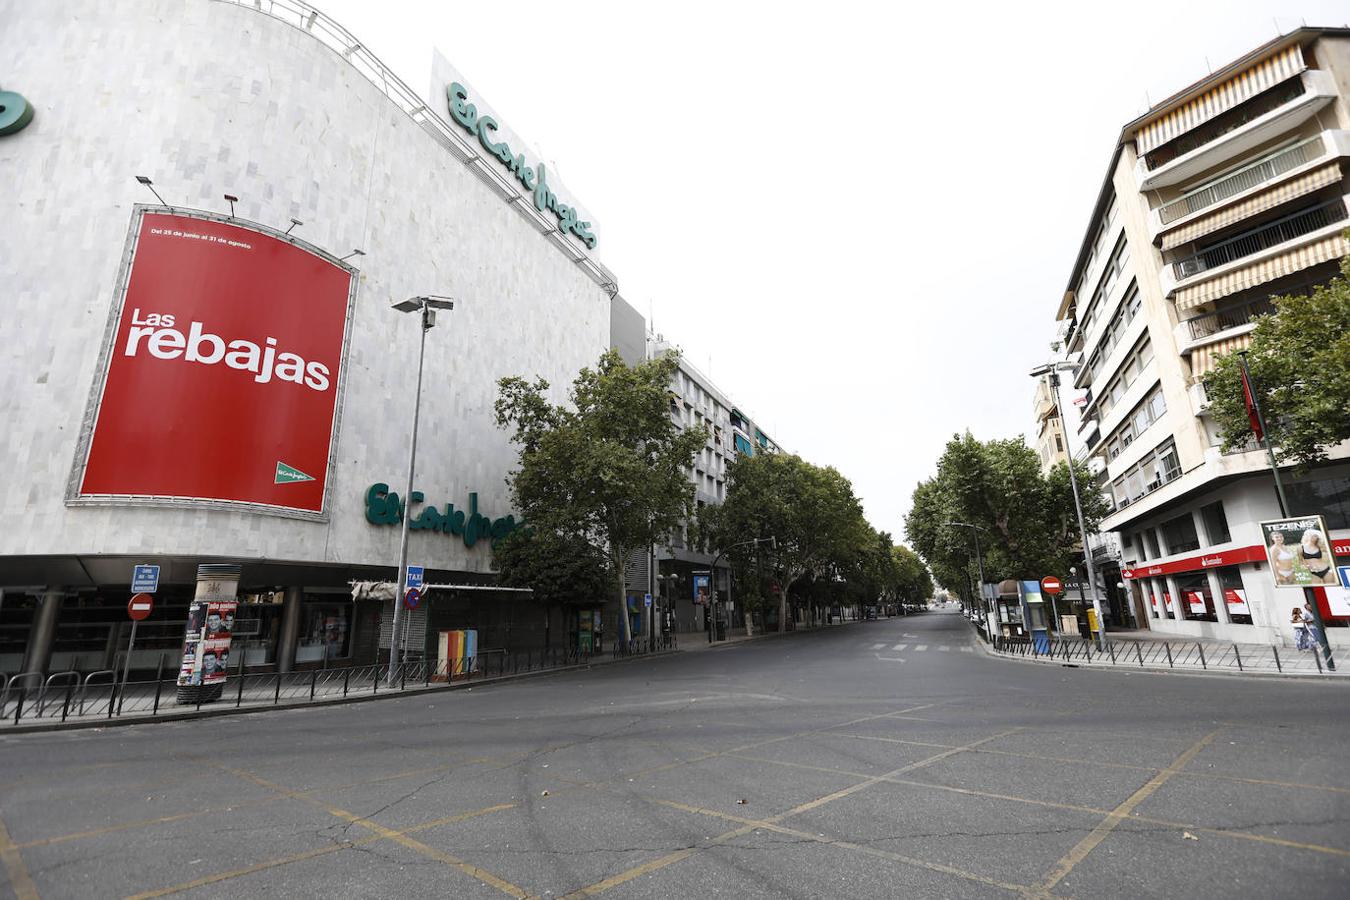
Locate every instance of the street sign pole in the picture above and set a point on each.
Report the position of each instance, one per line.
(126, 666)
(139, 607)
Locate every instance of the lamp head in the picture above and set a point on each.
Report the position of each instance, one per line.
(143, 180)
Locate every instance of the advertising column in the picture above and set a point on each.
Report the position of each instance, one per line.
(206, 643)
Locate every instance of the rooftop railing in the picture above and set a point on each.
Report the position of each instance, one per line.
(1242, 180)
(327, 31)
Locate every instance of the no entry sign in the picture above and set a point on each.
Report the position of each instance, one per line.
(140, 607)
(1052, 585)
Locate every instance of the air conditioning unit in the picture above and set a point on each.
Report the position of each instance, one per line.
(1188, 267)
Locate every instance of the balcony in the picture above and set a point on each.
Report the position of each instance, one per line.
(1204, 326)
(1240, 130)
(1243, 179)
(1289, 228)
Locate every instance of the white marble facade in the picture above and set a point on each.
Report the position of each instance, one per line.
(212, 98)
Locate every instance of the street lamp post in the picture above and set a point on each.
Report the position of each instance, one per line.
(1053, 371)
(427, 306)
(979, 561)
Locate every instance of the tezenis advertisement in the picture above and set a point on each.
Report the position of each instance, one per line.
(222, 376)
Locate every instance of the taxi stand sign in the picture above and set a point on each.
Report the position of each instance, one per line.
(144, 579)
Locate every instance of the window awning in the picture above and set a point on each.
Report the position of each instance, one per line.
(1267, 199)
(1204, 358)
(1267, 73)
(1330, 247)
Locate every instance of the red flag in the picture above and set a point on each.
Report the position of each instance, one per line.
(1249, 401)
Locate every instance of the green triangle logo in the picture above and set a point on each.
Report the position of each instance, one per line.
(290, 475)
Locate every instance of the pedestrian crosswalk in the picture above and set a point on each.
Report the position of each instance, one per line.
(920, 648)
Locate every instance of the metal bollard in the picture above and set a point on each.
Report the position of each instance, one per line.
(159, 684)
(313, 682)
(1201, 648)
(1237, 654)
(276, 697)
(65, 707)
(1139, 654)
(1168, 648)
(347, 678)
(1276, 650)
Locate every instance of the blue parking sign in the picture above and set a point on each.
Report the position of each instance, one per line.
(145, 579)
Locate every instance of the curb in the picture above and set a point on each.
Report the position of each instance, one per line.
(1155, 670)
(40, 727)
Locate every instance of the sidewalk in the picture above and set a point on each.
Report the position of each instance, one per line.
(1143, 650)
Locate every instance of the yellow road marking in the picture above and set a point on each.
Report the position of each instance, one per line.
(397, 837)
(1118, 815)
(308, 854)
(771, 825)
(636, 872)
(1219, 776)
(17, 873)
(672, 858)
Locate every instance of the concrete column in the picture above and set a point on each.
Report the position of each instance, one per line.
(1177, 599)
(1216, 591)
(290, 628)
(39, 650)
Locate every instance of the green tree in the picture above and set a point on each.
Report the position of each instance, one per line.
(610, 467)
(913, 583)
(1028, 524)
(810, 511)
(1299, 361)
(560, 569)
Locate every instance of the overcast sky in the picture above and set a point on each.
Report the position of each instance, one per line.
(857, 217)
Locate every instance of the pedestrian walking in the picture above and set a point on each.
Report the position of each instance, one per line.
(1302, 634)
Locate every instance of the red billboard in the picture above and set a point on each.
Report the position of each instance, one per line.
(221, 379)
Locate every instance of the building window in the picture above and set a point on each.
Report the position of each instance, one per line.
(1151, 541)
(1151, 472)
(1216, 523)
(1179, 534)
(325, 632)
(1059, 444)
(1197, 602)
(1234, 595)
(1329, 495)
(1129, 371)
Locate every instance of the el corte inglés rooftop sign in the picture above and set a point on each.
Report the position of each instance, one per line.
(533, 178)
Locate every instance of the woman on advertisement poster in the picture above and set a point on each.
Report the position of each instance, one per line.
(1299, 554)
(1316, 558)
(1281, 558)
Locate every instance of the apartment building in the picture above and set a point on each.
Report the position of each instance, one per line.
(696, 401)
(1229, 192)
(1049, 437)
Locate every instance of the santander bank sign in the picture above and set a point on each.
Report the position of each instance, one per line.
(220, 382)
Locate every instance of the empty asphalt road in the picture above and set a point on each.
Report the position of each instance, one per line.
(876, 759)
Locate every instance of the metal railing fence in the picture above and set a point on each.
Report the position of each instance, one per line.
(1270, 235)
(30, 697)
(1201, 656)
(1242, 180)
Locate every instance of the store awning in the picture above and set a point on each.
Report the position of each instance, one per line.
(1204, 358)
(1257, 203)
(1331, 247)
